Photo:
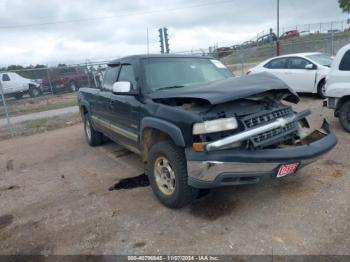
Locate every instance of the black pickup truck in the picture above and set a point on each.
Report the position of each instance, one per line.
(197, 126)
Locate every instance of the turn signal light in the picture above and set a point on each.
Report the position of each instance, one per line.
(199, 147)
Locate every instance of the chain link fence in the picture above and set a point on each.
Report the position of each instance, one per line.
(241, 59)
(31, 96)
(43, 97)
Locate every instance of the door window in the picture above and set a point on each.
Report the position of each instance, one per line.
(297, 63)
(345, 62)
(110, 77)
(279, 63)
(5, 77)
(127, 74)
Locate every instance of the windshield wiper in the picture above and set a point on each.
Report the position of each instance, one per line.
(170, 87)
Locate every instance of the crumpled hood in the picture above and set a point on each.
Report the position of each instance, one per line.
(230, 89)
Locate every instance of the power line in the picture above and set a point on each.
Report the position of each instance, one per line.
(117, 16)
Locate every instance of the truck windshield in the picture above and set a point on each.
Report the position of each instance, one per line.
(179, 72)
(321, 59)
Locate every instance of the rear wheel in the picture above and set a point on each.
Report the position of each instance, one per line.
(168, 175)
(93, 137)
(344, 116)
(34, 91)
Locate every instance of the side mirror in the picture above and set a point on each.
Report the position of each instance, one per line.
(121, 87)
(310, 67)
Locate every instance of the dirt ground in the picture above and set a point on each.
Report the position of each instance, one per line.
(54, 199)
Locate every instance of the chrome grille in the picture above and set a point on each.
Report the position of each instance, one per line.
(266, 117)
(273, 136)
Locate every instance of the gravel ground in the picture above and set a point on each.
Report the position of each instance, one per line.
(55, 200)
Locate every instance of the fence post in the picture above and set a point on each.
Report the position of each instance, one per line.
(88, 75)
(6, 112)
(332, 39)
(48, 78)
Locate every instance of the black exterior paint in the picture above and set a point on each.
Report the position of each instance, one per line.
(135, 111)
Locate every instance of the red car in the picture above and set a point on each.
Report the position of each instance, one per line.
(66, 79)
(290, 34)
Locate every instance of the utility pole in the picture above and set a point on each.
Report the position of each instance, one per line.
(161, 40)
(166, 40)
(147, 41)
(278, 29)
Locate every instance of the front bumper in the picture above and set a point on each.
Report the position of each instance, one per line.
(331, 102)
(237, 166)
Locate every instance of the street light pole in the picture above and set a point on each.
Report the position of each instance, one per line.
(278, 29)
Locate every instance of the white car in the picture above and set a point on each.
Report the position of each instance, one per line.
(303, 72)
(338, 87)
(16, 86)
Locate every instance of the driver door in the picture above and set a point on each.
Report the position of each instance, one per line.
(125, 111)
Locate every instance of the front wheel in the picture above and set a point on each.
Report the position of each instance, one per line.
(321, 89)
(344, 116)
(168, 175)
(93, 137)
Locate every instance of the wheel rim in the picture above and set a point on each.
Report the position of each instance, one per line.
(323, 90)
(164, 175)
(88, 129)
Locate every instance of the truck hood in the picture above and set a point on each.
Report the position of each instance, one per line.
(230, 89)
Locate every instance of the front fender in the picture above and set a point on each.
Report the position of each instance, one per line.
(166, 127)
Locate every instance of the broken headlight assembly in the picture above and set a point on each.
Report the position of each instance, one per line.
(213, 126)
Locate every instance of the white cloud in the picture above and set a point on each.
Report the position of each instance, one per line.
(192, 25)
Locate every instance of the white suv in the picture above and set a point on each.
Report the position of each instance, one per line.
(16, 85)
(338, 87)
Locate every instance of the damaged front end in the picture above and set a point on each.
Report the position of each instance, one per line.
(261, 137)
(245, 131)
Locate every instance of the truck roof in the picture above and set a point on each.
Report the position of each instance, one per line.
(141, 56)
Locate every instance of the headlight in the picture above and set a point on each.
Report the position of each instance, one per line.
(216, 125)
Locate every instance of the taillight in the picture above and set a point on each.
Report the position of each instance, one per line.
(248, 72)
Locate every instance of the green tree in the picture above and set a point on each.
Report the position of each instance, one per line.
(344, 5)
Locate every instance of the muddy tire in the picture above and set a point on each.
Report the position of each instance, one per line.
(167, 173)
(321, 89)
(34, 91)
(344, 116)
(93, 137)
